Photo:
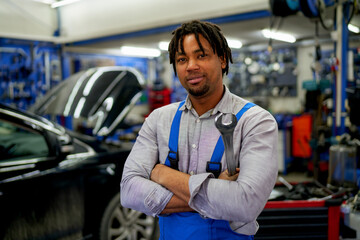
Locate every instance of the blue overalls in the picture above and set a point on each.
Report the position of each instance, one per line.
(190, 225)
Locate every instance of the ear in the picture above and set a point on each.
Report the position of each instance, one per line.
(223, 62)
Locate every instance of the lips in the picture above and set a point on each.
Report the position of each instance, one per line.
(195, 79)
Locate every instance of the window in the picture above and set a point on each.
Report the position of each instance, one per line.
(16, 142)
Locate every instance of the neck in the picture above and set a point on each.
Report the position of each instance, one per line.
(205, 103)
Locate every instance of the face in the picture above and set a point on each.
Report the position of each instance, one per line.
(200, 72)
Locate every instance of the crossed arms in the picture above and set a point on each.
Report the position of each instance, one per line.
(178, 183)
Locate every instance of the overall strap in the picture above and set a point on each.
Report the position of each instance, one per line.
(214, 165)
(172, 158)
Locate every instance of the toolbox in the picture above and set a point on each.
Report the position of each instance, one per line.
(300, 219)
(301, 211)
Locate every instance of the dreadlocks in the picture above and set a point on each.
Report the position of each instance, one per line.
(211, 32)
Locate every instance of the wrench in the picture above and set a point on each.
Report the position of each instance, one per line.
(227, 131)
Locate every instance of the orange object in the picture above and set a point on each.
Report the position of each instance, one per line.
(301, 135)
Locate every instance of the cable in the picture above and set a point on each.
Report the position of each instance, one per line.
(321, 17)
(348, 20)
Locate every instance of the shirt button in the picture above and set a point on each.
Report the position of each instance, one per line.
(198, 120)
(193, 146)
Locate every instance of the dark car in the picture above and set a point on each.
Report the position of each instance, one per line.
(57, 183)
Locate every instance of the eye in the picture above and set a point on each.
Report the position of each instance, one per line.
(202, 55)
(181, 59)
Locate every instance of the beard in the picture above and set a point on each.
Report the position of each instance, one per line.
(198, 92)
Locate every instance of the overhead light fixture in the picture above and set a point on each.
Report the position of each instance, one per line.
(140, 52)
(248, 61)
(353, 28)
(233, 43)
(164, 46)
(278, 36)
(62, 3)
(45, 1)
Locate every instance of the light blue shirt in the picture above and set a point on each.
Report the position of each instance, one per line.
(239, 202)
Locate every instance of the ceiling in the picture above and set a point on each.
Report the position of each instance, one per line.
(247, 31)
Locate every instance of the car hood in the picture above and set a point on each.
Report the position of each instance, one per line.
(102, 96)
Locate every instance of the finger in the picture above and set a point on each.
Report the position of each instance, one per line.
(234, 177)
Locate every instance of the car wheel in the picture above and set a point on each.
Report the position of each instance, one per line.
(124, 223)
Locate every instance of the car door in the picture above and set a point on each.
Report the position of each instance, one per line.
(41, 193)
(24, 151)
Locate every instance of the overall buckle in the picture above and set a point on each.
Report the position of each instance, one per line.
(173, 159)
(214, 168)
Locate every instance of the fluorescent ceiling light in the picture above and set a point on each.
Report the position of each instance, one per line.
(140, 52)
(62, 3)
(233, 43)
(164, 46)
(353, 28)
(278, 36)
(45, 1)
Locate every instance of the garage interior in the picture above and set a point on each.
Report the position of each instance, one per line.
(310, 83)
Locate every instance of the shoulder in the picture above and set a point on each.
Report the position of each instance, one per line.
(164, 114)
(160, 119)
(253, 115)
(239, 103)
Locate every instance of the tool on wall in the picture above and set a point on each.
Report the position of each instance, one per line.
(316, 66)
(27, 71)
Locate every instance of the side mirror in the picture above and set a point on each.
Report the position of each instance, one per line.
(59, 145)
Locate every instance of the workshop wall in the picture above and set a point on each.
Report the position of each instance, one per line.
(305, 56)
(28, 70)
(75, 62)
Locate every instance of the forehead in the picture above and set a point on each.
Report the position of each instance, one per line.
(189, 42)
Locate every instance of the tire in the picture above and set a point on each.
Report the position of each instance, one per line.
(124, 223)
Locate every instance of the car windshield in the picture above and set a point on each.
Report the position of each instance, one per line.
(16, 142)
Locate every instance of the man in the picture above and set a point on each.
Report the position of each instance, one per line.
(170, 172)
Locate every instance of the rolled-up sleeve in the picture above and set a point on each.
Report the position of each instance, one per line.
(137, 190)
(244, 199)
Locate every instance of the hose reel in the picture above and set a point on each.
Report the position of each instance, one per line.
(322, 10)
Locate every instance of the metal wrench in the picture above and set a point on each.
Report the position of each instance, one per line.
(227, 132)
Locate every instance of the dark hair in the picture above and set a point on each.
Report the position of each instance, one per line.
(211, 32)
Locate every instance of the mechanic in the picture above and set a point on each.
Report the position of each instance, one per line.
(171, 172)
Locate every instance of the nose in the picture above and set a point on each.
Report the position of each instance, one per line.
(192, 65)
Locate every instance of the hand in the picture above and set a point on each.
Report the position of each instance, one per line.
(225, 175)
